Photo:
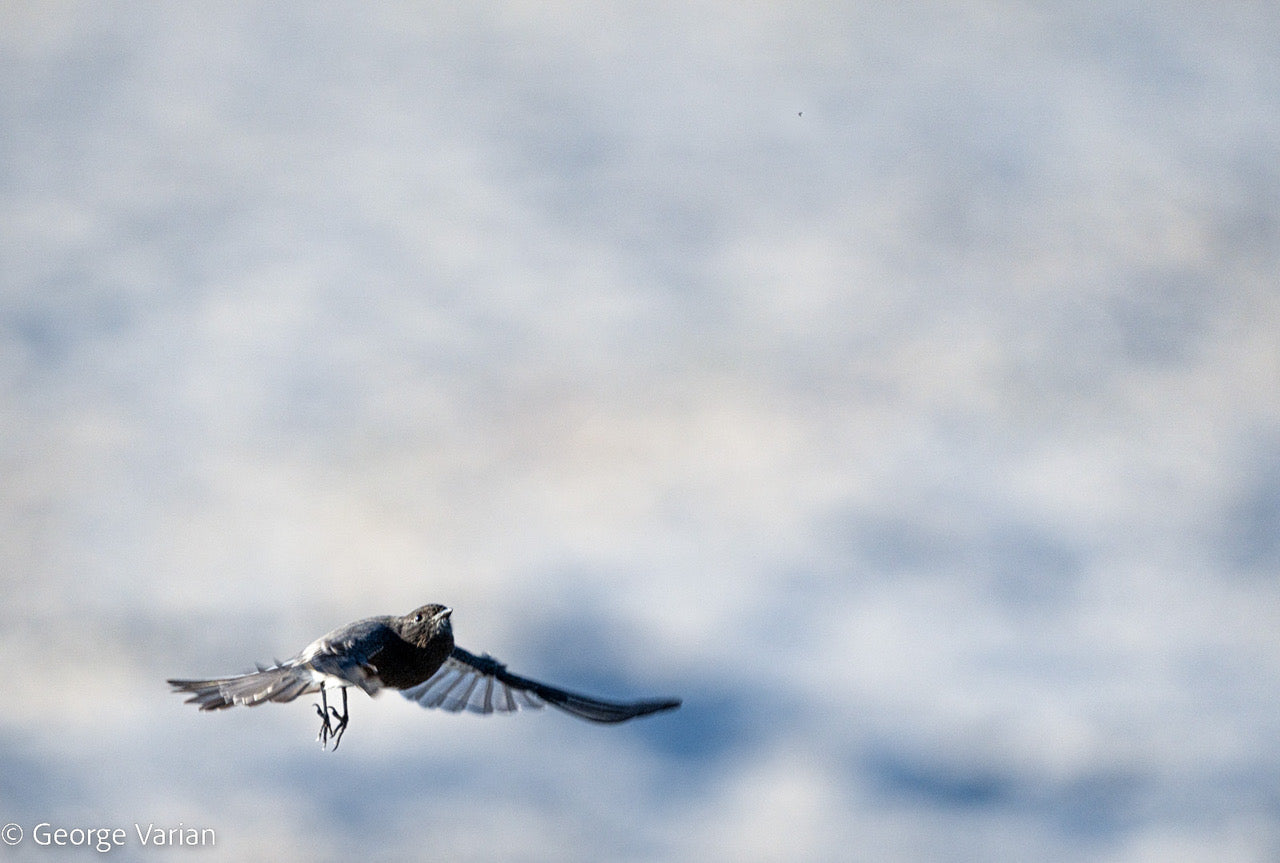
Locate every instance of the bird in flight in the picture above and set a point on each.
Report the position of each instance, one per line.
(413, 653)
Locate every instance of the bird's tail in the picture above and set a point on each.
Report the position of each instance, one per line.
(277, 683)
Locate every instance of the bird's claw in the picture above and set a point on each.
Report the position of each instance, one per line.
(328, 731)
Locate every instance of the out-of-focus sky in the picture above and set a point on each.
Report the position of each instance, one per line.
(899, 384)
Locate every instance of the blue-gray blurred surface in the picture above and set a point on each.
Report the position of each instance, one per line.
(899, 384)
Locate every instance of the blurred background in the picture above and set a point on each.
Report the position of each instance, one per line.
(897, 384)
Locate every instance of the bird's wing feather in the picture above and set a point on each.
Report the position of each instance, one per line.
(482, 684)
(343, 654)
(347, 653)
(280, 682)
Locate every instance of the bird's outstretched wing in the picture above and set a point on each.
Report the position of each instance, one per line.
(342, 657)
(482, 684)
(281, 682)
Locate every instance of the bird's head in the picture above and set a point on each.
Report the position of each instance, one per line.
(426, 624)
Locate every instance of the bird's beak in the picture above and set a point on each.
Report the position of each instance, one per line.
(444, 613)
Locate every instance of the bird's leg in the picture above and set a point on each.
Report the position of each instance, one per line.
(342, 720)
(322, 709)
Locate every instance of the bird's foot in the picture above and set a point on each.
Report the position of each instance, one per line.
(328, 730)
(342, 720)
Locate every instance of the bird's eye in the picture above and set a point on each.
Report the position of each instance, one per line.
(417, 618)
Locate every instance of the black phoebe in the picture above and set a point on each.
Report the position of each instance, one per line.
(414, 654)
